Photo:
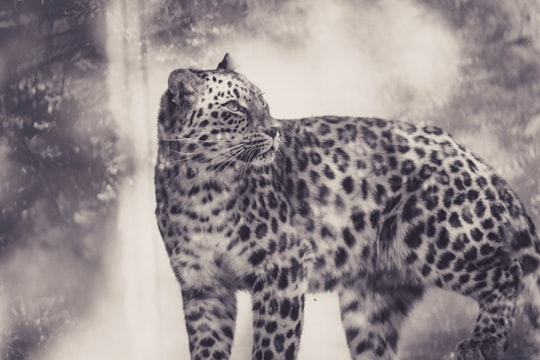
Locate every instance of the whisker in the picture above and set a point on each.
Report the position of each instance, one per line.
(187, 158)
(227, 153)
(185, 153)
(178, 138)
(219, 161)
(226, 159)
(194, 154)
(251, 155)
(225, 165)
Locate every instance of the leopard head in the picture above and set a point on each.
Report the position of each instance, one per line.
(216, 119)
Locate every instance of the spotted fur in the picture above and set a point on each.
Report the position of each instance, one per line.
(375, 210)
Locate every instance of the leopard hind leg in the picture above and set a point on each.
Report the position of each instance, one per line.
(496, 289)
(527, 244)
(530, 300)
(528, 324)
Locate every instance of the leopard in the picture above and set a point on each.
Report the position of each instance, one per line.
(377, 211)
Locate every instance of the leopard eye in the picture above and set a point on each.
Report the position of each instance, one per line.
(233, 106)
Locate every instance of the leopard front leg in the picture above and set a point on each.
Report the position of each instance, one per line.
(209, 311)
(278, 311)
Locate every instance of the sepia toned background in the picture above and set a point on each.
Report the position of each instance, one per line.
(83, 274)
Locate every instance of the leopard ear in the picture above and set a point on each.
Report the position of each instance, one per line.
(183, 86)
(226, 63)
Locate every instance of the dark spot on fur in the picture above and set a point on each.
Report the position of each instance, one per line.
(410, 211)
(448, 277)
(227, 331)
(388, 231)
(261, 230)
(380, 317)
(486, 249)
(443, 239)
(454, 220)
(521, 239)
(420, 152)
(496, 211)
(414, 184)
(460, 199)
(302, 190)
(430, 227)
(315, 158)
(411, 258)
(487, 224)
(285, 308)
(444, 260)
(279, 340)
(471, 254)
(407, 167)
(358, 220)
(391, 204)
(244, 233)
(272, 200)
(207, 342)
(349, 238)
(413, 238)
(340, 257)
(441, 215)
(426, 171)
(374, 218)
(395, 183)
(290, 352)
(448, 197)
(529, 264)
(283, 281)
(472, 195)
(466, 215)
(434, 158)
(324, 129)
(257, 257)
(348, 185)
(476, 234)
(328, 172)
(363, 346)
(490, 195)
(380, 194)
(365, 189)
(459, 242)
(430, 198)
(351, 334)
(325, 232)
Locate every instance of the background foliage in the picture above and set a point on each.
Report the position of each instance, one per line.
(60, 167)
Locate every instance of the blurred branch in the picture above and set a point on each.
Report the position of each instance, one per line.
(34, 34)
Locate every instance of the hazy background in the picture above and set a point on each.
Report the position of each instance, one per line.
(83, 274)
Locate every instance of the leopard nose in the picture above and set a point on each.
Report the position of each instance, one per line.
(272, 132)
